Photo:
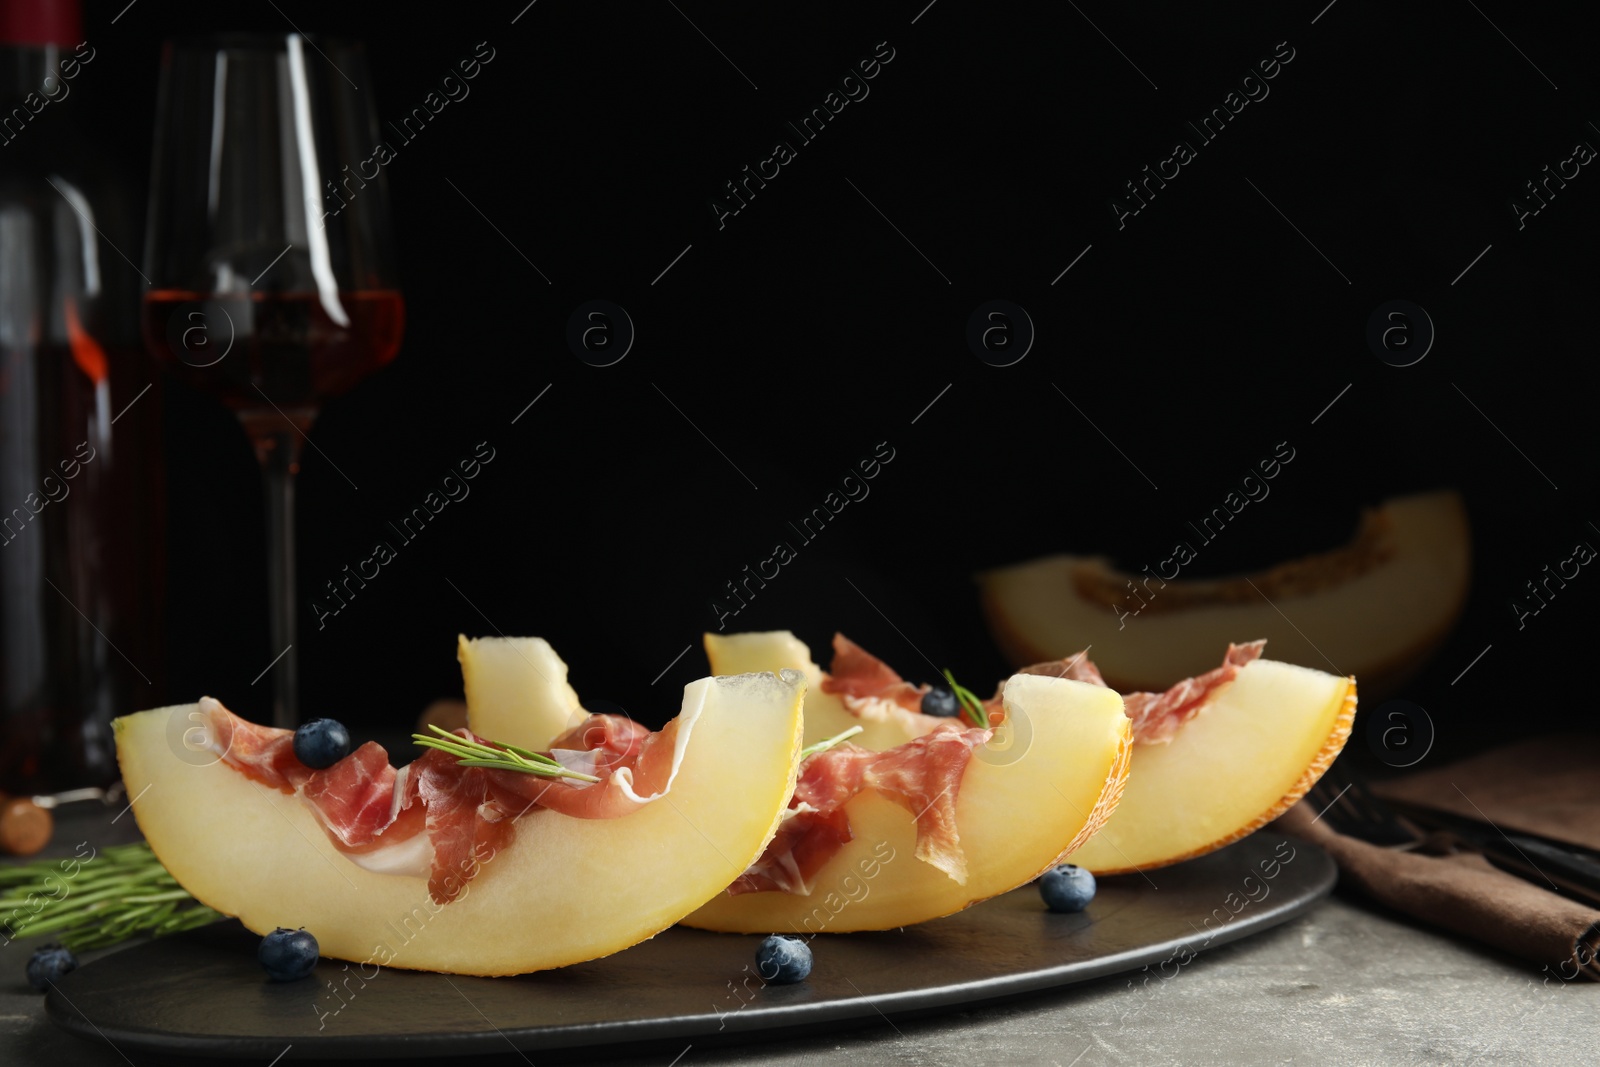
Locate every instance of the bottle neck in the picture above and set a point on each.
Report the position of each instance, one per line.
(32, 68)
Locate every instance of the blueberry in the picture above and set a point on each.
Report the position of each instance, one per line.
(941, 702)
(288, 955)
(1066, 888)
(782, 960)
(49, 964)
(321, 743)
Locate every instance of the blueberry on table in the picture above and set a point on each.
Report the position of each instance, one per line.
(49, 964)
(321, 743)
(782, 960)
(288, 955)
(1066, 888)
(941, 702)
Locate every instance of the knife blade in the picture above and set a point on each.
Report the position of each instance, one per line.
(1563, 868)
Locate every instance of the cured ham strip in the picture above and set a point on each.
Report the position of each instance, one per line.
(458, 815)
(263, 753)
(630, 778)
(355, 798)
(1079, 668)
(923, 776)
(612, 738)
(862, 682)
(366, 805)
(856, 677)
(1157, 716)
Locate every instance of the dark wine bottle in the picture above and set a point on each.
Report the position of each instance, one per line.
(82, 503)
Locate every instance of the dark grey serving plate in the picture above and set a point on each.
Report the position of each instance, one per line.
(202, 993)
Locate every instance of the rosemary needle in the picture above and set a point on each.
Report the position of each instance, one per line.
(827, 743)
(116, 894)
(969, 702)
(494, 756)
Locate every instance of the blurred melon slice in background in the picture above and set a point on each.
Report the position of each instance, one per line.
(1375, 608)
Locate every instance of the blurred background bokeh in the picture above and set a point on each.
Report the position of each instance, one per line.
(805, 330)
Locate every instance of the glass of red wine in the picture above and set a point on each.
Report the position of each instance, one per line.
(269, 256)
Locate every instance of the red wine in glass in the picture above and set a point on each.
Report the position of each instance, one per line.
(282, 346)
(271, 267)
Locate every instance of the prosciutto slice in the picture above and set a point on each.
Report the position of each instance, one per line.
(857, 676)
(356, 798)
(861, 680)
(263, 753)
(923, 776)
(366, 805)
(1079, 668)
(1158, 716)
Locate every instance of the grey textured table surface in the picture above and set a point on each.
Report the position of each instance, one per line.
(1342, 985)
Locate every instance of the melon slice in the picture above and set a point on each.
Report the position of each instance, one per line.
(517, 691)
(1376, 608)
(884, 723)
(563, 890)
(1041, 786)
(1250, 752)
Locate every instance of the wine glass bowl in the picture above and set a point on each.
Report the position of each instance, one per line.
(264, 244)
(267, 350)
(269, 255)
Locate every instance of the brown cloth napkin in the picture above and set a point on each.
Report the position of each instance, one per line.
(1547, 786)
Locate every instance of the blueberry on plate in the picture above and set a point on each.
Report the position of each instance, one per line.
(49, 964)
(941, 702)
(782, 960)
(321, 743)
(1066, 888)
(288, 955)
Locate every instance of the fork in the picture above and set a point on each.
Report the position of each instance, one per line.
(1351, 809)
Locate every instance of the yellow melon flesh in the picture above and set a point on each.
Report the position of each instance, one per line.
(1250, 752)
(1053, 774)
(884, 724)
(517, 691)
(564, 890)
(1375, 609)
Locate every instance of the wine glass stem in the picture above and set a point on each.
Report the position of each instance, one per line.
(279, 452)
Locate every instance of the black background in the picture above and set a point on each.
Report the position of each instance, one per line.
(807, 329)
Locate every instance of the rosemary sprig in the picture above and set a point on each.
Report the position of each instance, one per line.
(114, 895)
(969, 702)
(828, 742)
(496, 756)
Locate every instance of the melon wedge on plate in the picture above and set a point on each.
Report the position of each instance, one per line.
(884, 724)
(1377, 607)
(517, 691)
(563, 890)
(1049, 776)
(1252, 749)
